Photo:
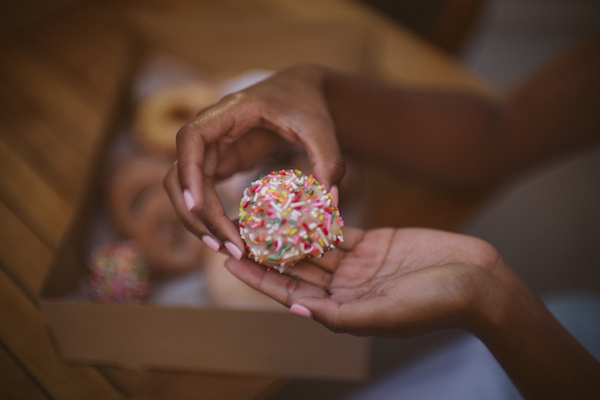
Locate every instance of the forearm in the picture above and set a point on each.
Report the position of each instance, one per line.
(540, 356)
(554, 110)
(465, 138)
(445, 135)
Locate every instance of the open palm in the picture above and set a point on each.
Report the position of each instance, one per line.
(385, 282)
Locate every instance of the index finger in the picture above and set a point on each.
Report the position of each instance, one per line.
(192, 140)
(323, 151)
(223, 123)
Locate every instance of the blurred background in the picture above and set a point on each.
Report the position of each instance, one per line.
(547, 222)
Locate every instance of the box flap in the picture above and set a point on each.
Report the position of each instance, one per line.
(225, 341)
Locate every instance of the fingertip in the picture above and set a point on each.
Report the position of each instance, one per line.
(211, 242)
(234, 250)
(335, 193)
(301, 311)
(323, 310)
(330, 173)
(190, 203)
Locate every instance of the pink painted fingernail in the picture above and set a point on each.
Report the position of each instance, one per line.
(233, 250)
(335, 192)
(301, 311)
(189, 200)
(211, 242)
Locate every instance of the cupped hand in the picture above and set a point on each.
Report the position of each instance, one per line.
(239, 131)
(385, 282)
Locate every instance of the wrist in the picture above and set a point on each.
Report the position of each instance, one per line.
(502, 302)
(538, 354)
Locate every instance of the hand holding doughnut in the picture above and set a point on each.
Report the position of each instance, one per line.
(240, 130)
(396, 283)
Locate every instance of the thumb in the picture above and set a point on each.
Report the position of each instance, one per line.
(329, 168)
(318, 138)
(327, 162)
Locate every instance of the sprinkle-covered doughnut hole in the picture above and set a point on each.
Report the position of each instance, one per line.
(286, 217)
(118, 275)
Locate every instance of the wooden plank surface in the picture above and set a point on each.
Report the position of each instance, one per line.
(31, 137)
(51, 118)
(55, 97)
(60, 82)
(23, 331)
(186, 386)
(32, 198)
(18, 385)
(92, 59)
(25, 258)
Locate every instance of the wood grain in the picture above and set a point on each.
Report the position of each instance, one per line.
(24, 333)
(23, 255)
(18, 385)
(32, 198)
(32, 138)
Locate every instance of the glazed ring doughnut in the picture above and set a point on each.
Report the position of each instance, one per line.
(159, 116)
(128, 186)
(168, 248)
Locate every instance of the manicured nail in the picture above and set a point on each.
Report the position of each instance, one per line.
(300, 310)
(189, 200)
(211, 242)
(335, 192)
(233, 250)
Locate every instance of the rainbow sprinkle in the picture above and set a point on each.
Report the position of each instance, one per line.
(287, 216)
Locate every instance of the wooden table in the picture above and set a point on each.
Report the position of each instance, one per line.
(59, 84)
